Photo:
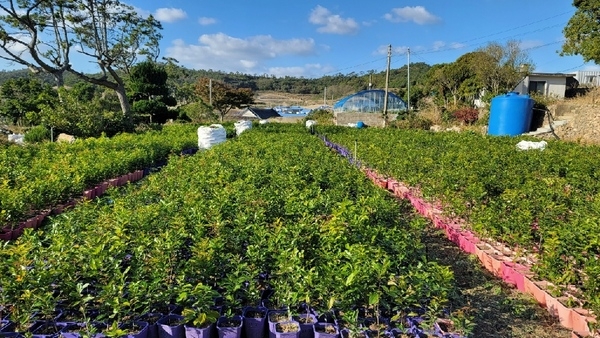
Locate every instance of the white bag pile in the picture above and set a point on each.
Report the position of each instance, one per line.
(526, 145)
(211, 135)
(242, 126)
(16, 138)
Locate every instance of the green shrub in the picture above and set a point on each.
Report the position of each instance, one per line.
(322, 116)
(412, 121)
(37, 134)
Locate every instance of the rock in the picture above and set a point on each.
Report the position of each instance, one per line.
(62, 137)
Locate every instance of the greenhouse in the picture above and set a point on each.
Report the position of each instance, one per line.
(369, 101)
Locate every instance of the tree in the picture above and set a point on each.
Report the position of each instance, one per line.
(40, 34)
(223, 97)
(22, 96)
(438, 83)
(34, 33)
(149, 92)
(75, 115)
(112, 34)
(180, 81)
(499, 67)
(582, 33)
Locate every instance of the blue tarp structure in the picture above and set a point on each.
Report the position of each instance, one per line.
(369, 101)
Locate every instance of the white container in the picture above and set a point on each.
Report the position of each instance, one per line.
(211, 135)
(242, 126)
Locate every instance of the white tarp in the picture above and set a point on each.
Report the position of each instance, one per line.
(526, 145)
(16, 138)
(310, 123)
(211, 135)
(241, 126)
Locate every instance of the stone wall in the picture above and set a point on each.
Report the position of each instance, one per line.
(369, 119)
(583, 122)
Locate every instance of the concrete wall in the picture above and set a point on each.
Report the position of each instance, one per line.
(369, 119)
(292, 119)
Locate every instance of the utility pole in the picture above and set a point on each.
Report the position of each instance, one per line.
(325, 97)
(408, 83)
(387, 81)
(210, 91)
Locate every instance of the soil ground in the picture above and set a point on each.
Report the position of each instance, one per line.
(500, 311)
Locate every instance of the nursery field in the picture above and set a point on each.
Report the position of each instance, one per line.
(271, 219)
(543, 204)
(37, 177)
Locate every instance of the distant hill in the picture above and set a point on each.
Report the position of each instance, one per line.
(333, 86)
(6, 75)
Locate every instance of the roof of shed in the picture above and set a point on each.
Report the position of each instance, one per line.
(263, 113)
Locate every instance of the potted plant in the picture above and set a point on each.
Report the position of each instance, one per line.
(325, 330)
(172, 326)
(286, 329)
(306, 319)
(230, 326)
(254, 321)
(197, 314)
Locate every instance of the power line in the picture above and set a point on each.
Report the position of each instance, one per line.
(431, 51)
(518, 27)
(566, 70)
(355, 66)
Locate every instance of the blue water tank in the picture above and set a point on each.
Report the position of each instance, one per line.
(510, 114)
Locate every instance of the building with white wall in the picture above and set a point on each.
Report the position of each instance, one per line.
(547, 84)
(588, 78)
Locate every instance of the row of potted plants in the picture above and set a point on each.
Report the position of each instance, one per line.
(13, 232)
(241, 219)
(37, 178)
(542, 204)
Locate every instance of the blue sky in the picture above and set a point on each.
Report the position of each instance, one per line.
(314, 38)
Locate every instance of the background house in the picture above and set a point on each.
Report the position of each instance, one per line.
(547, 84)
(258, 113)
(588, 78)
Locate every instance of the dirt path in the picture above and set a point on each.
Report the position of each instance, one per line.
(500, 311)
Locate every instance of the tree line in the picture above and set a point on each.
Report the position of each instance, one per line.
(114, 36)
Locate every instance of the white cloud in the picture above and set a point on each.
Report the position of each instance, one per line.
(369, 23)
(141, 12)
(441, 45)
(231, 54)
(170, 14)
(383, 50)
(417, 14)
(437, 45)
(457, 45)
(307, 71)
(332, 23)
(204, 21)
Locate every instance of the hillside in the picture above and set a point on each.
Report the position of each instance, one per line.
(583, 118)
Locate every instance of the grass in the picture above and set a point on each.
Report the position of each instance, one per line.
(499, 309)
(591, 97)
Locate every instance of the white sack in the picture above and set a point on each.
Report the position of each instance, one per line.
(211, 135)
(526, 145)
(242, 126)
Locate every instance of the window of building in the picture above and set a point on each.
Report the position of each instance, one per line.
(537, 87)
